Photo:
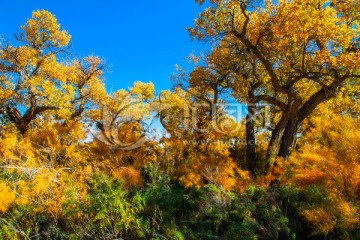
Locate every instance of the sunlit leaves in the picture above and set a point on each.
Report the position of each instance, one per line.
(43, 30)
(7, 197)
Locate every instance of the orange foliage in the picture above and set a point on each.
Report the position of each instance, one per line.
(7, 197)
(329, 158)
(130, 176)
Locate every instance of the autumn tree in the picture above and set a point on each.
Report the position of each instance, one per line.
(53, 101)
(199, 135)
(306, 51)
(231, 74)
(122, 128)
(38, 78)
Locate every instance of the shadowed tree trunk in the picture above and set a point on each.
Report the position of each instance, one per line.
(250, 141)
(292, 126)
(289, 137)
(250, 132)
(274, 143)
(22, 123)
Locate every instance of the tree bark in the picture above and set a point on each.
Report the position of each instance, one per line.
(274, 143)
(293, 124)
(289, 137)
(22, 123)
(250, 141)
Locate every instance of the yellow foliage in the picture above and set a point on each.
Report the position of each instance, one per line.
(43, 25)
(129, 175)
(329, 158)
(323, 221)
(7, 197)
(145, 90)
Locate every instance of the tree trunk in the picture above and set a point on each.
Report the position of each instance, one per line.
(293, 124)
(23, 122)
(289, 137)
(274, 143)
(250, 141)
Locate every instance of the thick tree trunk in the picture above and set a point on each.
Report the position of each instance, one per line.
(289, 137)
(293, 124)
(274, 143)
(250, 141)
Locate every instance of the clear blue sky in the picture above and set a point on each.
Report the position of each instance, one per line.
(139, 40)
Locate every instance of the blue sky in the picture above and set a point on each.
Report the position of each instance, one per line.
(139, 40)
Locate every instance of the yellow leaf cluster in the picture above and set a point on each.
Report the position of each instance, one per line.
(7, 197)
